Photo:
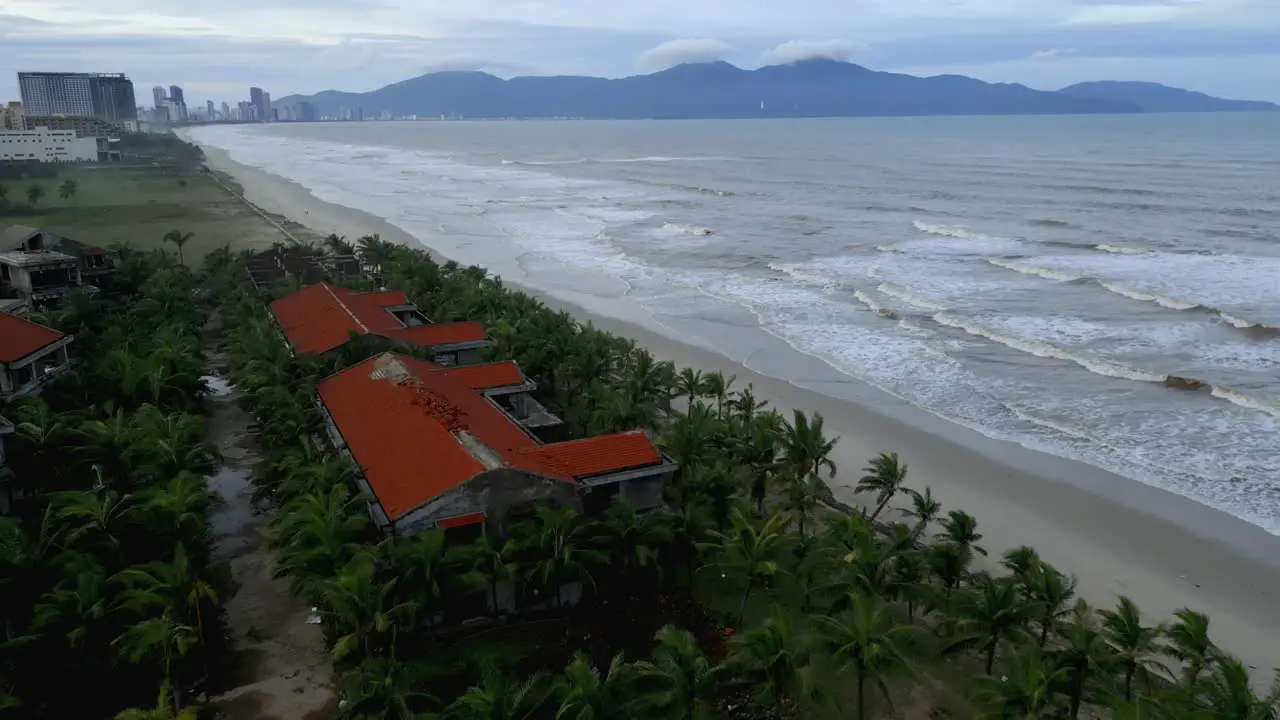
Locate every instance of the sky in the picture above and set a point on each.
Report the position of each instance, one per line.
(216, 50)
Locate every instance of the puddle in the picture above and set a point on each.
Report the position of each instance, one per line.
(218, 385)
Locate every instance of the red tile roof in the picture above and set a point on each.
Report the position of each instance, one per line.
(461, 520)
(319, 318)
(487, 375)
(406, 421)
(19, 338)
(439, 334)
(597, 455)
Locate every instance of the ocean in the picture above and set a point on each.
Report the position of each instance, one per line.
(1105, 289)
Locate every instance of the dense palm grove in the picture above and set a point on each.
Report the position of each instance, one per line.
(754, 595)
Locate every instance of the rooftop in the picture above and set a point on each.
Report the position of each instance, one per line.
(20, 338)
(28, 258)
(15, 236)
(418, 430)
(321, 317)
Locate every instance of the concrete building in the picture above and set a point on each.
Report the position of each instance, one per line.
(107, 97)
(13, 116)
(41, 277)
(84, 127)
(437, 449)
(261, 102)
(321, 318)
(212, 114)
(96, 264)
(158, 95)
(44, 145)
(285, 261)
(226, 112)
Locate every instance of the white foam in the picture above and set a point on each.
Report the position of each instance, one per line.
(1028, 269)
(1120, 249)
(682, 229)
(955, 232)
(909, 297)
(1266, 405)
(1040, 348)
(1135, 294)
(873, 304)
(804, 275)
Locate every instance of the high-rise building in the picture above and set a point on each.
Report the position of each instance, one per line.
(307, 112)
(107, 97)
(157, 94)
(265, 114)
(226, 112)
(12, 116)
(260, 102)
(212, 115)
(175, 94)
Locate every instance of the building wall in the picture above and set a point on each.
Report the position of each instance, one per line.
(85, 127)
(45, 145)
(104, 96)
(494, 493)
(13, 117)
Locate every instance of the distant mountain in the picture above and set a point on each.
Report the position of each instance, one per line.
(1154, 97)
(813, 88)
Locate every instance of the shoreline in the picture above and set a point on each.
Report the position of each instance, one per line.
(1118, 536)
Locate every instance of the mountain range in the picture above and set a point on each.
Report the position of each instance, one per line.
(810, 88)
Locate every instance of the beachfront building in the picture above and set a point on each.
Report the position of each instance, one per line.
(40, 144)
(30, 356)
(105, 96)
(283, 262)
(321, 318)
(438, 447)
(40, 277)
(97, 265)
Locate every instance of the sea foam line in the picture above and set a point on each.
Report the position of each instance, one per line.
(1028, 269)
(955, 232)
(1248, 401)
(1143, 296)
(1120, 249)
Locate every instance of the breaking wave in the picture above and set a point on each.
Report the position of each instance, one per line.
(1271, 407)
(1135, 294)
(1120, 249)
(875, 307)
(1027, 269)
(955, 232)
(909, 297)
(681, 229)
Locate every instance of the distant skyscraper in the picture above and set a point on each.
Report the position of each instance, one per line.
(175, 94)
(266, 114)
(107, 97)
(213, 115)
(260, 103)
(157, 94)
(226, 112)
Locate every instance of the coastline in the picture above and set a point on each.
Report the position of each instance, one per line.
(1116, 535)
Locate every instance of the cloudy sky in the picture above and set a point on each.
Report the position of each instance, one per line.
(216, 49)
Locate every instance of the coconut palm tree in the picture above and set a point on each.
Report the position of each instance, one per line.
(1189, 644)
(95, 517)
(716, 385)
(773, 660)
(172, 586)
(1134, 644)
(317, 535)
(589, 694)
(749, 551)
(1025, 690)
(488, 559)
(885, 477)
(634, 541)
(359, 606)
(179, 240)
(67, 190)
(869, 640)
(805, 447)
(993, 614)
(1052, 594)
(679, 681)
(1083, 653)
(386, 689)
(422, 570)
(1227, 692)
(497, 697)
(949, 563)
(561, 551)
(162, 639)
(34, 193)
(961, 528)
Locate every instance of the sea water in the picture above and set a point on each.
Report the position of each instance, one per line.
(1102, 288)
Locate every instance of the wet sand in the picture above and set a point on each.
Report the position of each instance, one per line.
(1116, 535)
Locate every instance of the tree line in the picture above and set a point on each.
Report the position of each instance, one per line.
(752, 595)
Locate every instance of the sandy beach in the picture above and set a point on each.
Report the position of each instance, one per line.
(1117, 536)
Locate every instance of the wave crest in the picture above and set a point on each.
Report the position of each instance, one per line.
(955, 232)
(1028, 269)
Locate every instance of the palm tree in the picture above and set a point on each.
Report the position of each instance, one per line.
(1023, 563)
(586, 694)
(34, 193)
(868, 639)
(498, 698)
(358, 605)
(1228, 693)
(1052, 594)
(679, 682)
(162, 710)
(1083, 654)
(773, 661)
(1025, 690)
(995, 613)
(749, 551)
(690, 384)
(634, 541)
(422, 570)
(805, 447)
(885, 477)
(67, 190)
(1134, 644)
(169, 586)
(961, 528)
(97, 516)
(384, 688)
(160, 638)
(691, 439)
(179, 239)
(1190, 645)
(77, 606)
(488, 559)
(717, 386)
(949, 563)
(562, 550)
(924, 509)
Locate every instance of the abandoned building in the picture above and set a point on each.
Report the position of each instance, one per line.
(96, 264)
(30, 355)
(437, 447)
(320, 318)
(281, 262)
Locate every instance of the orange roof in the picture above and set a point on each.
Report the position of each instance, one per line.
(487, 375)
(319, 318)
(19, 338)
(406, 422)
(438, 334)
(596, 455)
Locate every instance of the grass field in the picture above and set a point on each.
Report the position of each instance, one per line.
(138, 205)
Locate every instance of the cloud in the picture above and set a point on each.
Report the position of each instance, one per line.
(1050, 54)
(684, 50)
(794, 51)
